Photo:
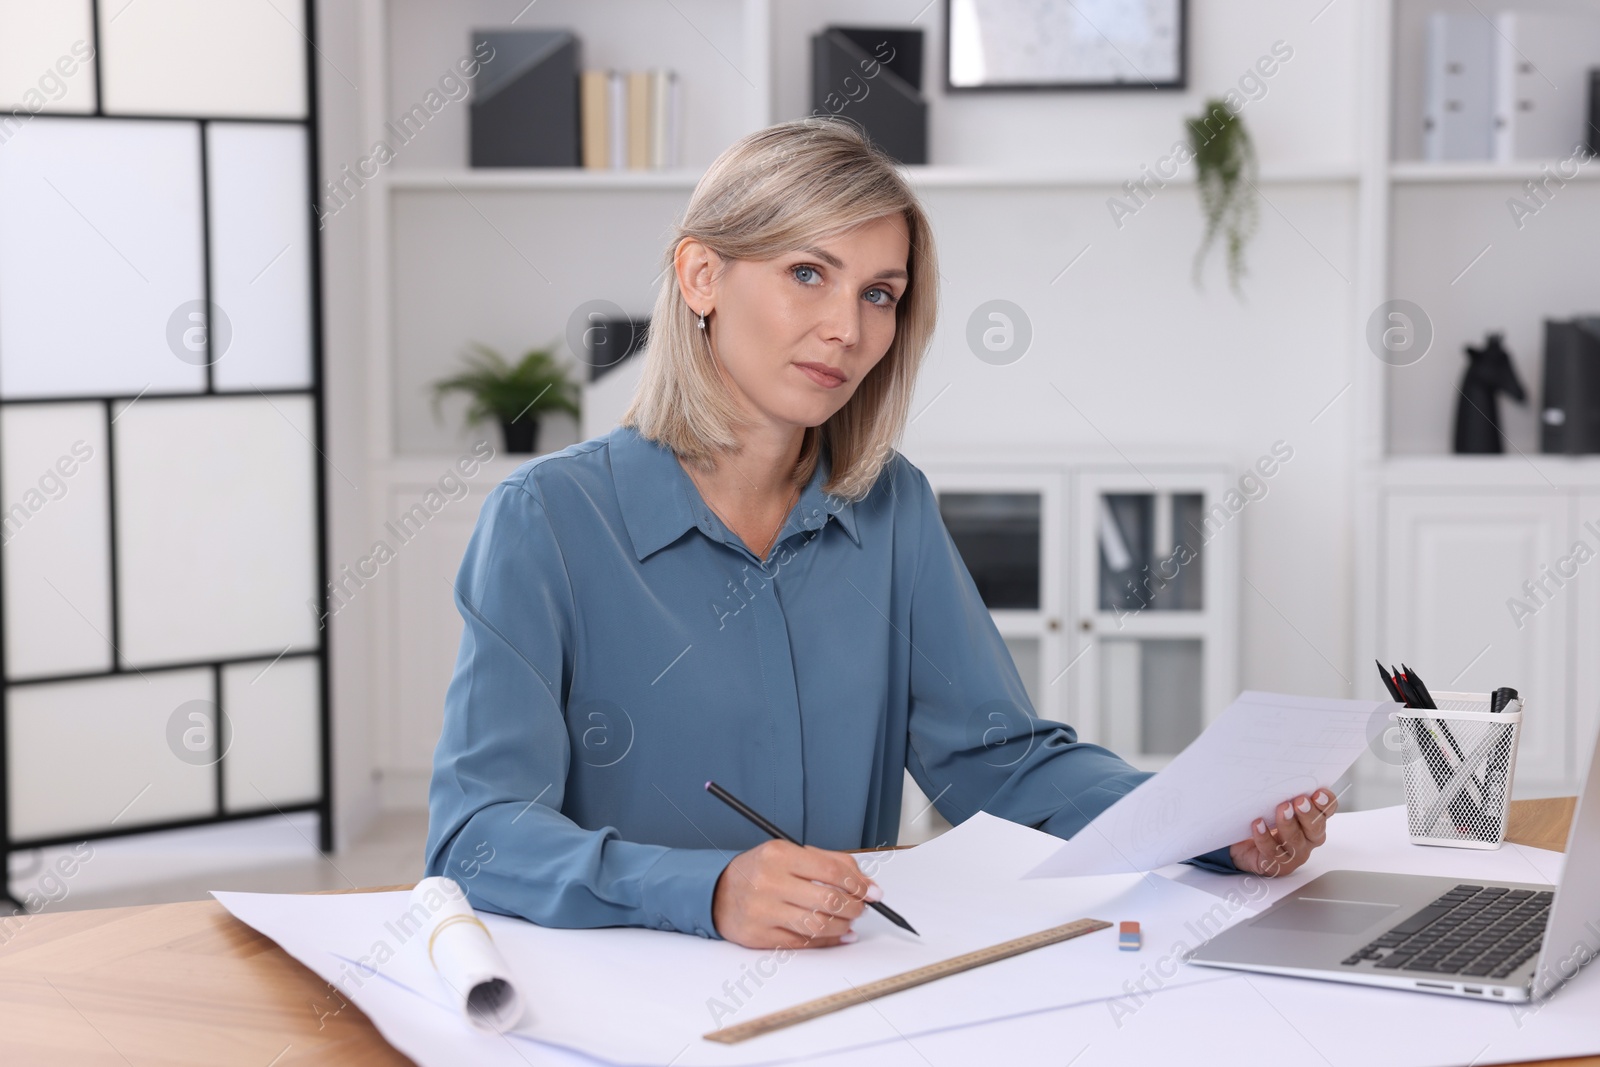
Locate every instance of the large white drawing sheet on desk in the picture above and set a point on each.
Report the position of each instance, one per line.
(1263, 749)
(1237, 1021)
(641, 996)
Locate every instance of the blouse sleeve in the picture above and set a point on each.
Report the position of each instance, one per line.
(500, 768)
(975, 742)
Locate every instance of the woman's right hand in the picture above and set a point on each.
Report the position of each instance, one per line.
(770, 897)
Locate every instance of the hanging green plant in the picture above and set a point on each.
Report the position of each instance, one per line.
(1225, 162)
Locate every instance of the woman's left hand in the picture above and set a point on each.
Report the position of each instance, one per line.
(1276, 850)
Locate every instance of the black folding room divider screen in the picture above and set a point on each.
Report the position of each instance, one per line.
(162, 572)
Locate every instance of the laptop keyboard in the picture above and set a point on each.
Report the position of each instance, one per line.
(1472, 930)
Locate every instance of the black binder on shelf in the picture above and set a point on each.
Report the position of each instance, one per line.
(1570, 419)
(611, 341)
(873, 77)
(524, 109)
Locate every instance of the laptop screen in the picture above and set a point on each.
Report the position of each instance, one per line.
(1572, 937)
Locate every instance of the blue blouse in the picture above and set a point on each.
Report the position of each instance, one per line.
(622, 646)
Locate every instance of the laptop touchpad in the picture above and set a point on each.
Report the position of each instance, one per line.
(1322, 916)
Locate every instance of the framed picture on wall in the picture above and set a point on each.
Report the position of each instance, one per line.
(1045, 44)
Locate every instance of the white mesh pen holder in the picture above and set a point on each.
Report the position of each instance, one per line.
(1459, 762)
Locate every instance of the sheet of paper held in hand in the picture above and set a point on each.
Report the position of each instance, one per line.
(1265, 748)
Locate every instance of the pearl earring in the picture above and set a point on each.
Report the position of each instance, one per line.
(702, 320)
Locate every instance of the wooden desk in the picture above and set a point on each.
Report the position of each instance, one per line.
(190, 984)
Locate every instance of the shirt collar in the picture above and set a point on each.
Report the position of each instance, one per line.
(659, 502)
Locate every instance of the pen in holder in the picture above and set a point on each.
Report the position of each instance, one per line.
(1459, 761)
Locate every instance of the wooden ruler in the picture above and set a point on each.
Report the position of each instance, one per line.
(833, 1002)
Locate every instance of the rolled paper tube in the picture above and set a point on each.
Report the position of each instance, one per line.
(465, 957)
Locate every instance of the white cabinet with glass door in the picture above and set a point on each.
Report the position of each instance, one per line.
(1052, 549)
(1153, 608)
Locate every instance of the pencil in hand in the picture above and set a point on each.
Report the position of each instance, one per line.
(771, 829)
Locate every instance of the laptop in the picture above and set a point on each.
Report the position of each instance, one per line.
(1508, 941)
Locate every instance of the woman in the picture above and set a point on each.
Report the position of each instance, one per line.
(746, 583)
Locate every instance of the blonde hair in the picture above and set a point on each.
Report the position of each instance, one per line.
(771, 192)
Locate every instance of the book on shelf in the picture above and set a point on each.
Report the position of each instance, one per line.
(1458, 99)
(1570, 415)
(1541, 70)
(630, 120)
(1512, 88)
(523, 111)
(617, 120)
(873, 77)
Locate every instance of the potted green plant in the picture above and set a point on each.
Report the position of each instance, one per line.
(1225, 162)
(513, 394)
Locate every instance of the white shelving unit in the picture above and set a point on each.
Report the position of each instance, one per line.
(537, 231)
(1443, 543)
(421, 189)
(419, 628)
(1445, 173)
(930, 176)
